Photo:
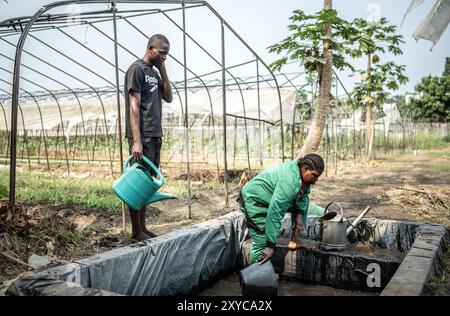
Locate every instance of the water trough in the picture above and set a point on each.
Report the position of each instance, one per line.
(397, 258)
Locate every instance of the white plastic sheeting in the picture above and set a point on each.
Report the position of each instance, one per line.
(414, 4)
(199, 102)
(434, 24)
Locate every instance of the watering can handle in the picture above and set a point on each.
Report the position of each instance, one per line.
(151, 164)
(340, 208)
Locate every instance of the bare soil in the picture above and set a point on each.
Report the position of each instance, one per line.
(404, 187)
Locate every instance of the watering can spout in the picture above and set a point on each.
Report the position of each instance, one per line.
(158, 196)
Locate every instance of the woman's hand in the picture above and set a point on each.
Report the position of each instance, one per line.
(298, 226)
(266, 255)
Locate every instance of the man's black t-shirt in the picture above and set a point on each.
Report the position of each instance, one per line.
(146, 80)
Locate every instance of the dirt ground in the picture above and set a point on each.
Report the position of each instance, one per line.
(404, 187)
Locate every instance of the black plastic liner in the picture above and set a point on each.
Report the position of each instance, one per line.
(181, 262)
(191, 259)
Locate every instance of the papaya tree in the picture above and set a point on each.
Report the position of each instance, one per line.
(371, 92)
(375, 38)
(318, 43)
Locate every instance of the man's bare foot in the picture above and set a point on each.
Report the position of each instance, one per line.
(149, 233)
(139, 237)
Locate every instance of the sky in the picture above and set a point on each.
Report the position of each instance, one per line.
(262, 23)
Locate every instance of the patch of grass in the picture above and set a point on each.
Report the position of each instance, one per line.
(176, 187)
(91, 193)
(439, 153)
(440, 168)
(3, 191)
(440, 286)
(47, 187)
(427, 141)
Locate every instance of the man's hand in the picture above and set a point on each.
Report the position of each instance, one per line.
(136, 151)
(167, 90)
(161, 66)
(266, 255)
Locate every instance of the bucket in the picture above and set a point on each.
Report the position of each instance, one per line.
(136, 186)
(259, 280)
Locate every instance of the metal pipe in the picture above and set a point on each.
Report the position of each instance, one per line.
(224, 103)
(259, 116)
(23, 122)
(68, 88)
(25, 143)
(119, 118)
(116, 63)
(7, 131)
(185, 83)
(293, 132)
(66, 73)
(59, 109)
(73, 60)
(357, 220)
(44, 23)
(17, 63)
(234, 78)
(186, 121)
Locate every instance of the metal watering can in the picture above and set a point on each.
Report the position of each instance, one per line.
(137, 187)
(333, 229)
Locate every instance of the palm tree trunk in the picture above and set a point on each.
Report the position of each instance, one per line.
(323, 101)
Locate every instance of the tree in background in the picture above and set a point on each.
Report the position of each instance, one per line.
(373, 39)
(318, 42)
(376, 90)
(432, 103)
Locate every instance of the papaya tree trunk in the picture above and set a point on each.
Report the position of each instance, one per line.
(323, 101)
(369, 117)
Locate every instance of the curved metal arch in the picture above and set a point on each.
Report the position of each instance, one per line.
(293, 119)
(60, 115)
(66, 73)
(71, 59)
(23, 126)
(198, 78)
(16, 76)
(264, 64)
(68, 88)
(234, 78)
(132, 54)
(7, 131)
(43, 130)
(42, 125)
(103, 107)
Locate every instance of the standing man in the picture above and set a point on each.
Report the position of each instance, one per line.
(146, 85)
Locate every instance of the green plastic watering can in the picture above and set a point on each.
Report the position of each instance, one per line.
(314, 209)
(137, 187)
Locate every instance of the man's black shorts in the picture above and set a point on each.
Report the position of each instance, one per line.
(151, 148)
